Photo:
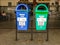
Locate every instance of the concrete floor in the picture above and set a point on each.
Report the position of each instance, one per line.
(7, 34)
(7, 37)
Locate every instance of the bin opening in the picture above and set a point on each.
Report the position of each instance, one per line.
(21, 8)
(41, 8)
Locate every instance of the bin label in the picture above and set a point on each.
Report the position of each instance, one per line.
(22, 20)
(41, 20)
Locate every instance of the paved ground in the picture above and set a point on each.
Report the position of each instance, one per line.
(7, 34)
(7, 37)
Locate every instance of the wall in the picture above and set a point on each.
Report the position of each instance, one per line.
(5, 2)
(14, 2)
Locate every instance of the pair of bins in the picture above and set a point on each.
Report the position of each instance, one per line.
(22, 17)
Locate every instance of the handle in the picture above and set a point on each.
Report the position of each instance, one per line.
(22, 5)
(40, 6)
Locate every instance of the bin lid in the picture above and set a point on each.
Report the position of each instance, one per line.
(41, 8)
(19, 6)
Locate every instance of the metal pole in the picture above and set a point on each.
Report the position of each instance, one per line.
(16, 34)
(16, 28)
(31, 30)
(47, 35)
(47, 28)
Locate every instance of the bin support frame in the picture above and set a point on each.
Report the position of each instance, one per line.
(47, 31)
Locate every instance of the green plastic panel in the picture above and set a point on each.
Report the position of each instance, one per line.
(41, 17)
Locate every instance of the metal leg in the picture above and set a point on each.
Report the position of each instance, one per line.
(31, 30)
(31, 35)
(16, 35)
(47, 35)
(16, 31)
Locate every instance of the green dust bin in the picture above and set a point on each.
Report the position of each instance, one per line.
(41, 14)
